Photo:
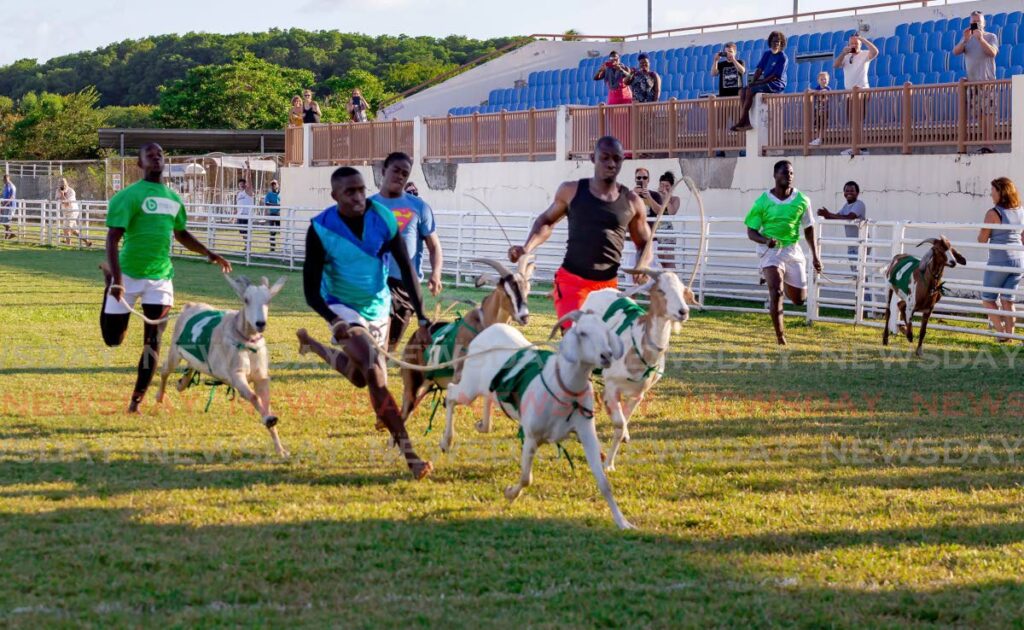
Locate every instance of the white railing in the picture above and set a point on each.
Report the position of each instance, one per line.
(852, 289)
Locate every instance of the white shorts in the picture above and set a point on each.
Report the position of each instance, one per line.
(378, 330)
(71, 219)
(151, 291)
(789, 259)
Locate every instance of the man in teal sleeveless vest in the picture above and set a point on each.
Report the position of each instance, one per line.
(345, 282)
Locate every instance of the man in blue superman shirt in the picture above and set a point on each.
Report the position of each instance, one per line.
(416, 225)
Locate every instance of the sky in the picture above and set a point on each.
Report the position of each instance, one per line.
(50, 28)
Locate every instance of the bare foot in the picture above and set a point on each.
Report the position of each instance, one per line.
(421, 469)
(133, 406)
(781, 340)
(380, 426)
(304, 340)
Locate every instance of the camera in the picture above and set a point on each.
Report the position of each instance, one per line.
(974, 26)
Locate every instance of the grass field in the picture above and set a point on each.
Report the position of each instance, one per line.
(827, 485)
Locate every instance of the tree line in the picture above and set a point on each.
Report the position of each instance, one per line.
(203, 80)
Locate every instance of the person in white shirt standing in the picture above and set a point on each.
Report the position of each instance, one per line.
(855, 60)
(245, 200)
(67, 202)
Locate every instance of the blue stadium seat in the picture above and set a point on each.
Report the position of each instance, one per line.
(1003, 56)
(1017, 58)
(1002, 72)
(902, 30)
(883, 80)
(909, 64)
(947, 77)
(1017, 70)
(803, 72)
(1011, 34)
(881, 64)
(891, 46)
(928, 27)
(924, 63)
(915, 29)
(940, 26)
(949, 40)
(1017, 17)
(931, 78)
(995, 21)
(921, 43)
(803, 43)
(814, 43)
(906, 45)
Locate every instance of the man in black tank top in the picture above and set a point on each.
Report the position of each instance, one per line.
(601, 212)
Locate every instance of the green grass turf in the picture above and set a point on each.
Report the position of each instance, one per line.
(826, 485)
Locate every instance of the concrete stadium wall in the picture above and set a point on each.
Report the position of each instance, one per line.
(473, 87)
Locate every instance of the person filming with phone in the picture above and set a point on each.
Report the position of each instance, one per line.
(357, 106)
(617, 77)
(729, 70)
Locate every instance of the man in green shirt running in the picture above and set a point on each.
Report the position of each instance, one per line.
(774, 223)
(145, 214)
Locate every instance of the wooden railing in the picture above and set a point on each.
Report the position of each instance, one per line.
(659, 129)
(360, 143)
(293, 154)
(957, 115)
(527, 134)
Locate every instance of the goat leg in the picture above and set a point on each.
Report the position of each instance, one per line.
(484, 424)
(526, 472)
(908, 318)
(587, 435)
(888, 322)
(613, 402)
(920, 334)
(269, 419)
(173, 358)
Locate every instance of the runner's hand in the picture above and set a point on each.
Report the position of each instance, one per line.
(817, 264)
(516, 252)
(772, 243)
(117, 292)
(217, 259)
(639, 278)
(434, 284)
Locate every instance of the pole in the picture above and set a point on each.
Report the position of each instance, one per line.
(650, 22)
(796, 9)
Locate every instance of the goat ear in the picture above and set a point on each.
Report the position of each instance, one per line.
(239, 284)
(487, 279)
(570, 347)
(264, 281)
(618, 348)
(274, 290)
(959, 257)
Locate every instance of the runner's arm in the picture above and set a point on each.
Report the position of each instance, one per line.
(433, 244)
(639, 232)
(412, 284)
(312, 275)
(190, 243)
(809, 235)
(114, 235)
(544, 225)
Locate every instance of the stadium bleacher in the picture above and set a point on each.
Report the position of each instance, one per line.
(917, 52)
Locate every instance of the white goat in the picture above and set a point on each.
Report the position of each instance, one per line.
(646, 337)
(548, 393)
(229, 346)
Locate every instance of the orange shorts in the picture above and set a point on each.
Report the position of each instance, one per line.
(571, 291)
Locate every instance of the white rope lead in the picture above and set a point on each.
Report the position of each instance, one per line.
(124, 302)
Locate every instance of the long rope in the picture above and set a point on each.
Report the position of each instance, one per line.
(493, 215)
(694, 194)
(124, 302)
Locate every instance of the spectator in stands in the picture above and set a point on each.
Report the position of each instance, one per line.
(729, 70)
(67, 202)
(651, 199)
(7, 200)
(821, 106)
(616, 77)
(979, 49)
(666, 186)
(295, 113)
(1006, 210)
(272, 200)
(769, 78)
(357, 106)
(410, 189)
(855, 60)
(645, 83)
(310, 108)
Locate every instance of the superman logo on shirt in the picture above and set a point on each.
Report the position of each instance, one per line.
(403, 216)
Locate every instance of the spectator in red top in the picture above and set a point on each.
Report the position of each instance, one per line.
(617, 77)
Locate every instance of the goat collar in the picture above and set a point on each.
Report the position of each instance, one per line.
(248, 343)
(574, 402)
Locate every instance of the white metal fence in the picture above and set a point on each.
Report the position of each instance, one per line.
(852, 290)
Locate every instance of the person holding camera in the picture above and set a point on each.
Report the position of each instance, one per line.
(855, 60)
(67, 201)
(729, 70)
(979, 48)
(645, 83)
(357, 106)
(617, 78)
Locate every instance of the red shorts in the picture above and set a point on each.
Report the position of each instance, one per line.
(571, 290)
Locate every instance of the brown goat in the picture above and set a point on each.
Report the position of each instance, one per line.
(921, 291)
(506, 303)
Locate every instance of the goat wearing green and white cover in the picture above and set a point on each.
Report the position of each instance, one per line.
(551, 397)
(645, 336)
(229, 346)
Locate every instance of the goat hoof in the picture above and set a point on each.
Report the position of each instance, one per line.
(270, 422)
(446, 445)
(420, 470)
(609, 467)
(512, 493)
(624, 525)
(482, 428)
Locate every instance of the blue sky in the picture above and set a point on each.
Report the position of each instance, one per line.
(47, 29)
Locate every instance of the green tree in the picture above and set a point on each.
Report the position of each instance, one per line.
(55, 127)
(403, 76)
(133, 117)
(339, 91)
(246, 94)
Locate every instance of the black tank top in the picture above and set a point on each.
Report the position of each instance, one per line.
(597, 231)
(309, 116)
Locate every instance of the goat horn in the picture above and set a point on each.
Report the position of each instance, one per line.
(927, 240)
(497, 266)
(571, 316)
(524, 261)
(647, 271)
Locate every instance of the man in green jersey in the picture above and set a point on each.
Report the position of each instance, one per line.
(145, 214)
(774, 223)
